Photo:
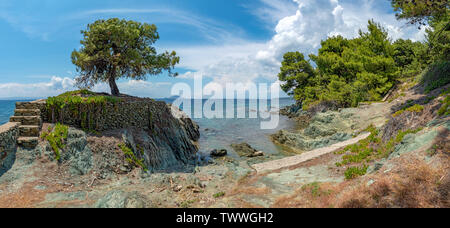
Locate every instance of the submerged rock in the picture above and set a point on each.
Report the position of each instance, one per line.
(245, 150)
(218, 153)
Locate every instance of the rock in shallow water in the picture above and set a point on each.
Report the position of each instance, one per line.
(218, 153)
(245, 150)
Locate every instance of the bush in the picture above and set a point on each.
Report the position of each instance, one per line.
(56, 138)
(131, 158)
(445, 108)
(415, 108)
(436, 75)
(354, 172)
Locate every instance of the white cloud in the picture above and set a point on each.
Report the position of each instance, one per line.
(300, 26)
(58, 85)
(55, 86)
(274, 10)
(303, 30)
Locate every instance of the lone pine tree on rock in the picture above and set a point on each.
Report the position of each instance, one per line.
(114, 48)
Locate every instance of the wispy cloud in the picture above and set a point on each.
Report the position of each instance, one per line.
(211, 29)
(271, 11)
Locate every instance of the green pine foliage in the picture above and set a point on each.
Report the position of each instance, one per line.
(348, 71)
(117, 48)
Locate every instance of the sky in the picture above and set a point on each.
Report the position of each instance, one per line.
(225, 41)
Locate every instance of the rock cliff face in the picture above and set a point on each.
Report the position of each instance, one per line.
(135, 133)
(168, 142)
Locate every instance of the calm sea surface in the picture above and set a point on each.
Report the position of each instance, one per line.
(215, 133)
(7, 109)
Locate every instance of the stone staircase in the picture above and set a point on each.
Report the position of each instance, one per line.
(29, 115)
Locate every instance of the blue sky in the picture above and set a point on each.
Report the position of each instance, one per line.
(222, 40)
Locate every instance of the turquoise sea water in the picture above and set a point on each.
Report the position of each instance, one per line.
(221, 133)
(7, 110)
(215, 133)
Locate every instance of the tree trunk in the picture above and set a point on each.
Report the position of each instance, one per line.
(113, 86)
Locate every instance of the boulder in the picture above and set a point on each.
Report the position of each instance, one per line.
(218, 153)
(245, 150)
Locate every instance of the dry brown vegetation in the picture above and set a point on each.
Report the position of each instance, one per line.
(414, 184)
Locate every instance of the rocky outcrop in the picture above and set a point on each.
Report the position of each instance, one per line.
(322, 130)
(245, 150)
(159, 137)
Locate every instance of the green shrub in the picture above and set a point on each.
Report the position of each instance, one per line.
(436, 75)
(415, 108)
(82, 103)
(353, 172)
(361, 151)
(445, 108)
(131, 158)
(371, 148)
(56, 138)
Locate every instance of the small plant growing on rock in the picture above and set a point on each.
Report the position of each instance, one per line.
(353, 172)
(219, 194)
(415, 108)
(56, 137)
(131, 158)
(187, 203)
(445, 108)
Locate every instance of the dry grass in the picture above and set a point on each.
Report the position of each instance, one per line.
(250, 191)
(416, 185)
(316, 195)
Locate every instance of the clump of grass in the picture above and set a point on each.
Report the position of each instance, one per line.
(219, 194)
(353, 172)
(56, 137)
(429, 99)
(131, 158)
(187, 203)
(70, 99)
(445, 92)
(315, 190)
(362, 150)
(368, 150)
(385, 150)
(415, 108)
(445, 108)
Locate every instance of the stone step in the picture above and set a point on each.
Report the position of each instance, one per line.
(29, 130)
(27, 112)
(27, 120)
(27, 105)
(28, 142)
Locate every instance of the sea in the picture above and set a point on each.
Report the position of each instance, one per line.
(220, 133)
